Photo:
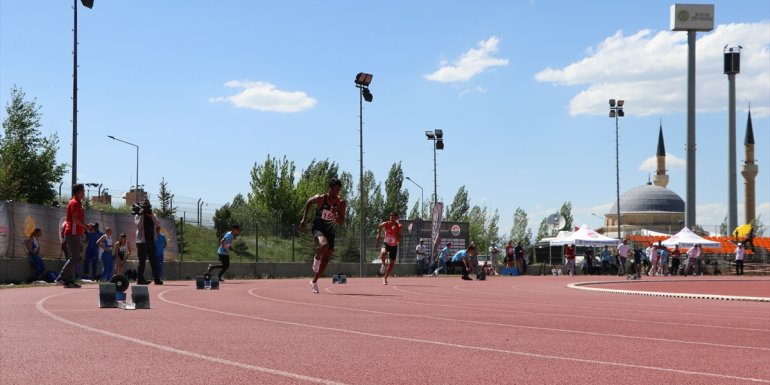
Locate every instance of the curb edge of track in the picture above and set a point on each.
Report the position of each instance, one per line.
(582, 286)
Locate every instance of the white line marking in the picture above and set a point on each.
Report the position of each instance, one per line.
(580, 286)
(470, 347)
(42, 309)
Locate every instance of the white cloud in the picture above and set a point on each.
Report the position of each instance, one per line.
(469, 64)
(672, 161)
(649, 70)
(263, 96)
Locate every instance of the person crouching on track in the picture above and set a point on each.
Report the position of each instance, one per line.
(390, 244)
(462, 259)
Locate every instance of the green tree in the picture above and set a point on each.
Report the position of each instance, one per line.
(758, 226)
(415, 211)
(223, 220)
(543, 230)
(460, 208)
(28, 168)
(396, 198)
(483, 227)
(566, 212)
(167, 209)
(273, 193)
(520, 230)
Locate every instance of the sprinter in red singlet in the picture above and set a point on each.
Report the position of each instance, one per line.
(390, 245)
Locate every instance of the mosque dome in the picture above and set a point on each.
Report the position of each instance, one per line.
(649, 198)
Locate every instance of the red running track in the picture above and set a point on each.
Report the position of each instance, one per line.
(505, 330)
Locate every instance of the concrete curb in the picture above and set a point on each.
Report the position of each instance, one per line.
(581, 286)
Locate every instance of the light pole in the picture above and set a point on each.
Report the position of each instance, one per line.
(362, 83)
(422, 197)
(88, 4)
(437, 137)
(136, 191)
(617, 112)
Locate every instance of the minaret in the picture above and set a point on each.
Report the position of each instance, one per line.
(661, 179)
(749, 170)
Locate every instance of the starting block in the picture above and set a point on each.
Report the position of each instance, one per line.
(140, 296)
(481, 277)
(206, 282)
(339, 278)
(108, 295)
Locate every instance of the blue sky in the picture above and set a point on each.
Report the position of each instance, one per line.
(520, 88)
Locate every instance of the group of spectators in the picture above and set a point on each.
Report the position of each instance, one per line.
(467, 260)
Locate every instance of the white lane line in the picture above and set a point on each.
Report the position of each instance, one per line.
(562, 315)
(699, 315)
(468, 347)
(41, 308)
(581, 286)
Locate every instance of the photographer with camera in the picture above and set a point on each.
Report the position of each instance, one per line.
(146, 221)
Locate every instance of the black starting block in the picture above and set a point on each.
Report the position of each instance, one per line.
(108, 295)
(206, 281)
(481, 277)
(339, 278)
(140, 296)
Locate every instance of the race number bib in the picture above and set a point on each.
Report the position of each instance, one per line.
(328, 216)
(390, 240)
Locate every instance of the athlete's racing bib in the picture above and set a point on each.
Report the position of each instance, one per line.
(390, 240)
(328, 216)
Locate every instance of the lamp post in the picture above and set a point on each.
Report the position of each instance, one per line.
(422, 197)
(616, 111)
(88, 4)
(437, 137)
(362, 83)
(136, 191)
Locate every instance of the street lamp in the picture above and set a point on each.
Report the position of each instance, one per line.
(616, 111)
(362, 83)
(136, 191)
(422, 197)
(437, 136)
(88, 4)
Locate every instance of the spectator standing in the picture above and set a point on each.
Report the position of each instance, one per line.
(92, 250)
(589, 260)
(494, 253)
(508, 255)
(646, 260)
(33, 251)
(108, 261)
(74, 227)
(518, 255)
(606, 257)
(145, 243)
(422, 259)
(740, 253)
(123, 253)
(160, 246)
(569, 254)
(653, 260)
(692, 259)
(675, 255)
(623, 250)
(663, 260)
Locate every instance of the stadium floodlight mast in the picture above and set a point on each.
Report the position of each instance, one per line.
(136, 191)
(362, 83)
(616, 111)
(437, 137)
(88, 4)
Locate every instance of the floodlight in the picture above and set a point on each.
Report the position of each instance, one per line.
(367, 95)
(620, 102)
(440, 144)
(439, 134)
(429, 134)
(88, 3)
(363, 79)
(612, 113)
(612, 102)
(621, 113)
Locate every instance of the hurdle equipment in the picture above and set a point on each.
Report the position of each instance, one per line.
(107, 295)
(339, 278)
(140, 296)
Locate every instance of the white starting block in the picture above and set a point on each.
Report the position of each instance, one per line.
(339, 278)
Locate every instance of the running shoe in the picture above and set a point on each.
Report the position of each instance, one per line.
(314, 287)
(60, 281)
(385, 282)
(71, 285)
(316, 265)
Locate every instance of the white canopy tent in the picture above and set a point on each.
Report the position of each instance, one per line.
(686, 238)
(586, 237)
